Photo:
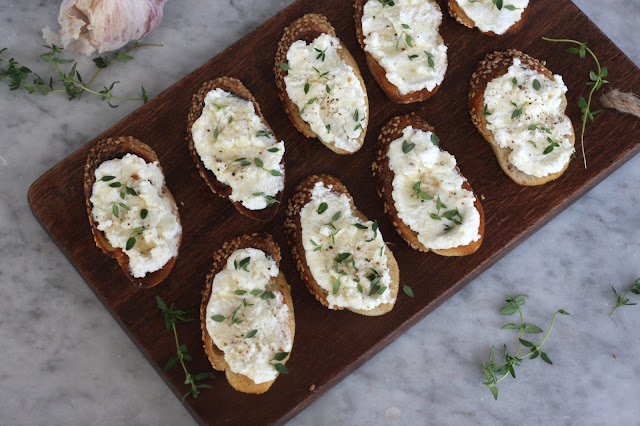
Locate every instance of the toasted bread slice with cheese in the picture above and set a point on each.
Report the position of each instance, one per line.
(384, 176)
(274, 299)
(131, 205)
(236, 88)
(410, 47)
(533, 149)
(334, 92)
(490, 20)
(366, 278)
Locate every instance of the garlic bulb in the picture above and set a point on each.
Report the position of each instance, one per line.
(104, 25)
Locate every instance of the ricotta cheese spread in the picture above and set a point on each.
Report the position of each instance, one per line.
(346, 256)
(246, 317)
(527, 115)
(234, 144)
(404, 40)
(327, 92)
(428, 193)
(129, 207)
(488, 18)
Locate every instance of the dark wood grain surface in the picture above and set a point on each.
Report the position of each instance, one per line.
(329, 345)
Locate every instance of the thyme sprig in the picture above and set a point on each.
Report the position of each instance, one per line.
(623, 300)
(493, 372)
(69, 81)
(172, 317)
(596, 81)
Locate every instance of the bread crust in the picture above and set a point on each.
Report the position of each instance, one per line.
(108, 149)
(383, 177)
(266, 243)
(308, 28)
(234, 86)
(459, 14)
(379, 73)
(293, 229)
(495, 65)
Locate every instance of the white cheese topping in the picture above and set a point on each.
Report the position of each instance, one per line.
(528, 117)
(327, 92)
(488, 18)
(404, 40)
(239, 305)
(428, 193)
(234, 143)
(348, 261)
(130, 207)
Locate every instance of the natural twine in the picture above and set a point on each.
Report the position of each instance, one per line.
(624, 102)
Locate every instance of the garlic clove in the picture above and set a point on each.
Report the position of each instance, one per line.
(104, 25)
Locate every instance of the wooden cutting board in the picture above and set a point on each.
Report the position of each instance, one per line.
(329, 345)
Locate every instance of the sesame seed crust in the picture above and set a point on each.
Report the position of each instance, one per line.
(108, 149)
(383, 177)
(293, 230)
(260, 241)
(234, 86)
(495, 65)
(308, 28)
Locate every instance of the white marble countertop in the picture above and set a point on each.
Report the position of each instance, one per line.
(66, 361)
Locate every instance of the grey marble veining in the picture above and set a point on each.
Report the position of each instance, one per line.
(66, 361)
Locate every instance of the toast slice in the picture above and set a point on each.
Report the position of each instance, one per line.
(510, 26)
(494, 66)
(235, 87)
(308, 29)
(378, 71)
(384, 179)
(265, 243)
(109, 149)
(293, 227)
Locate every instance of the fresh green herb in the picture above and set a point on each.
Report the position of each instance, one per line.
(336, 285)
(533, 143)
(72, 83)
(260, 164)
(485, 111)
(240, 292)
(430, 60)
(172, 317)
(407, 290)
(144, 213)
(306, 87)
(407, 147)
(323, 207)
(435, 140)
(107, 178)
(360, 226)
(356, 115)
(250, 334)
(387, 3)
(418, 193)
(216, 132)
(271, 200)
(536, 84)
(316, 246)
(517, 113)
(596, 81)
(130, 243)
(412, 57)
(115, 185)
(514, 81)
(552, 144)
(243, 162)
(510, 7)
(327, 88)
(263, 133)
(328, 127)
(495, 373)
(335, 217)
(623, 300)
(321, 53)
(273, 150)
(285, 66)
(374, 228)
(309, 102)
(243, 264)
(280, 368)
(220, 107)
(407, 37)
(321, 74)
(375, 277)
(498, 4)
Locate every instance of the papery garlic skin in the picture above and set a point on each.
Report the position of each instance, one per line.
(104, 25)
